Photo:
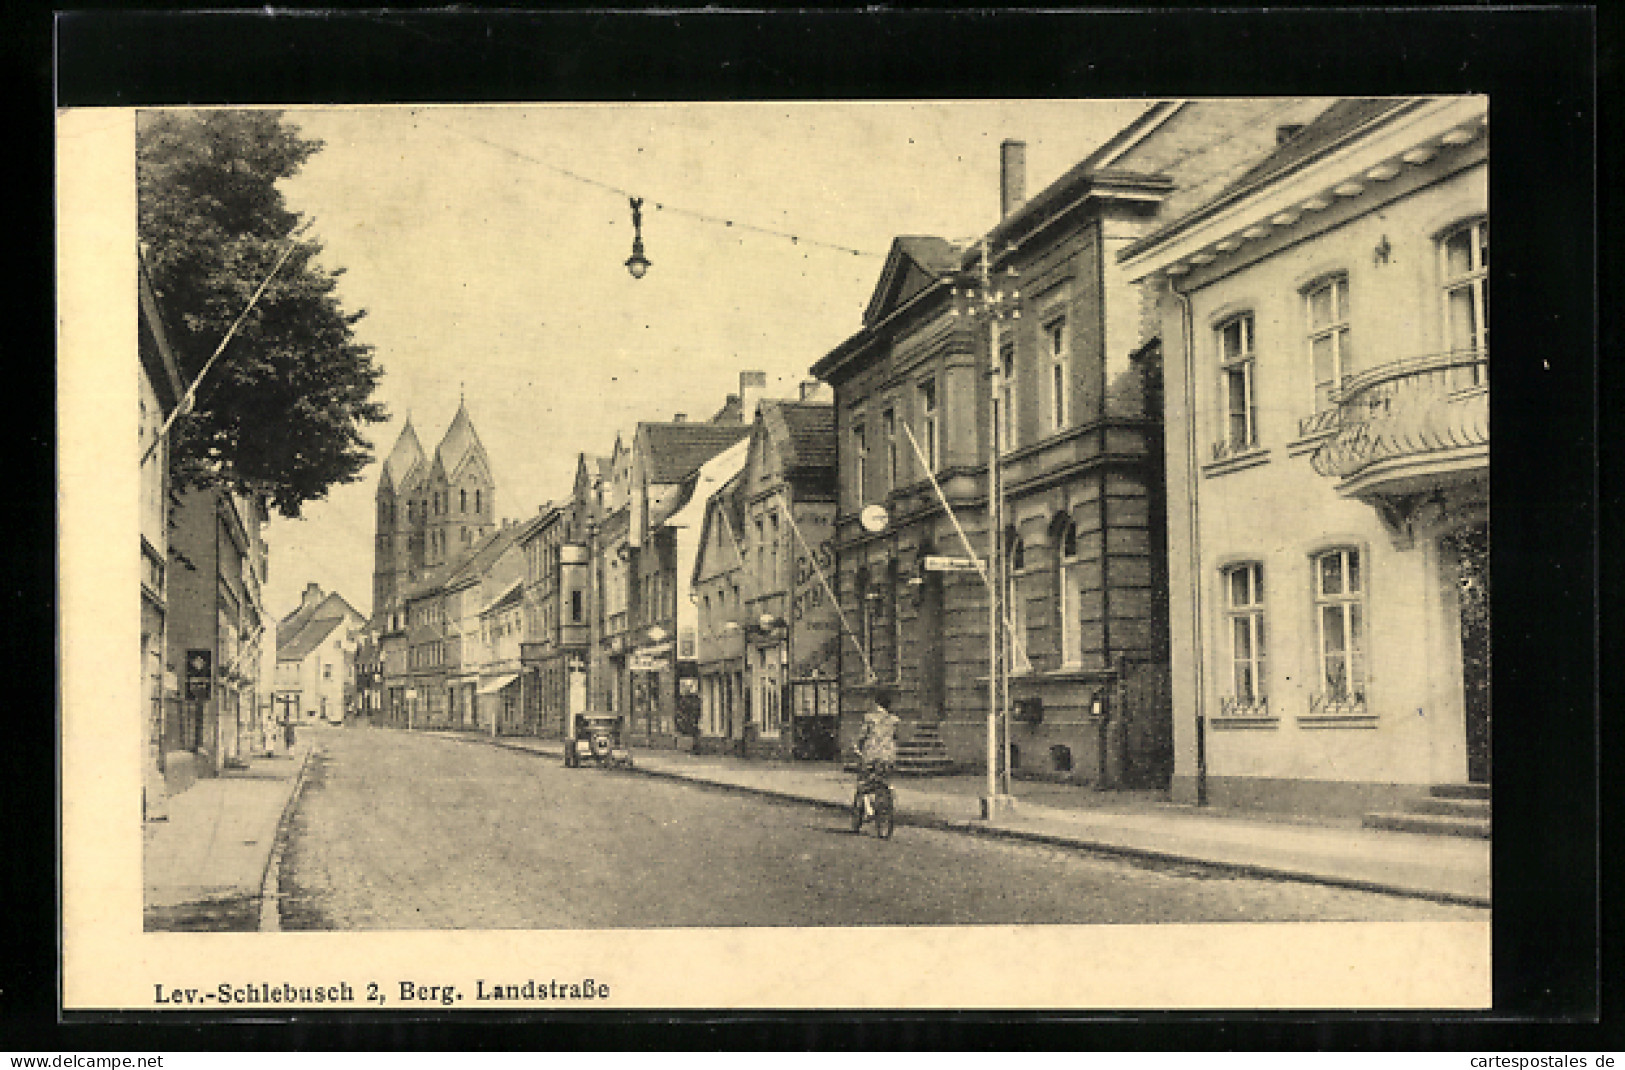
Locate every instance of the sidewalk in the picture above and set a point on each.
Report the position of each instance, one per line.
(1133, 824)
(203, 869)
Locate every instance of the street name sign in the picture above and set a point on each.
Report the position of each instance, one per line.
(952, 564)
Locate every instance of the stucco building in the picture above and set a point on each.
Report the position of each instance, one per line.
(315, 659)
(1325, 324)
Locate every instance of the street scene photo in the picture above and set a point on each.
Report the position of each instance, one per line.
(814, 514)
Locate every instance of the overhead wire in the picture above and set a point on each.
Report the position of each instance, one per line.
(661, 206)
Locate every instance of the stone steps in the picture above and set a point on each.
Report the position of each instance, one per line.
(1447, 810)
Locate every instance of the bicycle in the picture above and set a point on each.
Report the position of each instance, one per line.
(874, 802)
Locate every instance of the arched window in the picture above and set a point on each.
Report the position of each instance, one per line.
(476, 500)
(1068, 599)
(1015, 601)
(463, 496)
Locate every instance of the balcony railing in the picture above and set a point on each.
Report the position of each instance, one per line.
(1409, 410)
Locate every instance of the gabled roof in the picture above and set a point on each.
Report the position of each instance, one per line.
(913, 263)
(487, 550)
(508, 596)
(1337, 121)
(672, 451)
(802, 431)
(405, 458)
(1340, 122)
(307, 627)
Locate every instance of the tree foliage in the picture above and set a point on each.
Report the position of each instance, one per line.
(281, 411)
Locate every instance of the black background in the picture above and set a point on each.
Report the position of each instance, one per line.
(1541, 68)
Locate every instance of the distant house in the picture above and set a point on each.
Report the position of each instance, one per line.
(315, 658)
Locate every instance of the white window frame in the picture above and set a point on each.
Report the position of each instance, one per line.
(929, 401)
(1249, 693)
(1241, 364)
(1068, 601)
(888, 427)
(1334, 331)
(860, 459)
(1058, 348)
(1475, 282)
(1340, 676)
(1007, 400)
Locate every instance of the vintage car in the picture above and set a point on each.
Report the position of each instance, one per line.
(598, 737)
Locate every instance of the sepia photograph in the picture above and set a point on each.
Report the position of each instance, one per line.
(1028, 519)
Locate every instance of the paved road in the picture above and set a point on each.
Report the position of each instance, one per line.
(403, 831)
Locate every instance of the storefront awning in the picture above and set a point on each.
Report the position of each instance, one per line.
(491, 687)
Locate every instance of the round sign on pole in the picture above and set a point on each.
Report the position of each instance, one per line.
(873, 518)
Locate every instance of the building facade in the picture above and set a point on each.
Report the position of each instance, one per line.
(158, 392)
(316, 660)
(215, 630)
(555, 648)
(1326, 326)
(1027, 343)
(769, 639)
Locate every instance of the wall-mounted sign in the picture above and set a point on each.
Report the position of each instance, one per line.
(199, 673)
(951, 564)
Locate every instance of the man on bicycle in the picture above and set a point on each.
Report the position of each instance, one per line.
(877, 741)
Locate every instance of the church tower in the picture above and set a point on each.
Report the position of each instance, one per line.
(397, 498)
(462, 493)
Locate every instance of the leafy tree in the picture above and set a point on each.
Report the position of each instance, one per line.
(281, 411)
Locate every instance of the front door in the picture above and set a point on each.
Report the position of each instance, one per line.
(1471, 553)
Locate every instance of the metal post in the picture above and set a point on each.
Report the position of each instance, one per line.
(997, 788)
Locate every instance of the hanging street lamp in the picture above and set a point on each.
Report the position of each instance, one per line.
(637, 263)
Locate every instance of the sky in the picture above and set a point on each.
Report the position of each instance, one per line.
(486, 245)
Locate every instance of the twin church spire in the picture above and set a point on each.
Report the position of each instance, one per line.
(432, 510)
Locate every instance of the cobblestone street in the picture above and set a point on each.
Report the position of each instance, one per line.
(399, 831)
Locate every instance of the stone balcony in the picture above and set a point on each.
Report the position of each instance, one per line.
(1408, 427)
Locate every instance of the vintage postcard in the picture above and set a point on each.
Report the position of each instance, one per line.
(978, 554)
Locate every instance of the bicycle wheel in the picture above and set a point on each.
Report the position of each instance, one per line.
(857, 812)
(885, 813)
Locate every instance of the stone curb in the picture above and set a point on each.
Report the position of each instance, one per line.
(927, 819)
(270, 894)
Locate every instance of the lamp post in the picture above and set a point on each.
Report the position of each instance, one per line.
(995, 306)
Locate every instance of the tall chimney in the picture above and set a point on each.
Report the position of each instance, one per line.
(1012, 176)
(752, 385)
(679, 417)
(312, 595)
(813, 390)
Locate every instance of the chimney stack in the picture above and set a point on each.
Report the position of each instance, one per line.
(312, 595)
(752, 385)
(1012, 177)
(1287, 132)
(679, 417)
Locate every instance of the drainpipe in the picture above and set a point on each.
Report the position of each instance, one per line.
(1198, 661)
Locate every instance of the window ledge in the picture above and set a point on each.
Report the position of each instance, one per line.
(1338, 720)
(1228, 722)
(1235, 463)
